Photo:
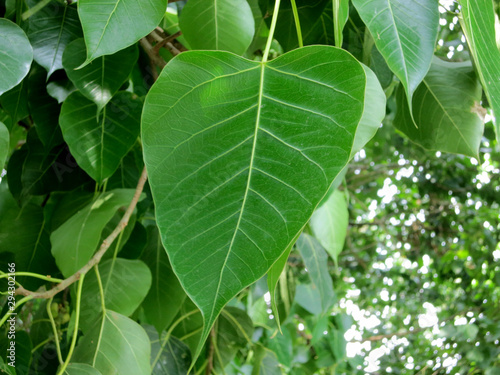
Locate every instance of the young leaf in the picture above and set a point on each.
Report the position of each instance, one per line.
(218, 25)
(405, 33)
(237, 201)
(446, 110)
(316, 262)
(340, 16)
(103, 78)
(4, 144)
(478, 22)
(80, 369)
(110, 26)
(125, 283)
(99, 143)
(75, 241)
(166, 295)
(51, 29)
(16, 55)
(329, 224)
(115, 345)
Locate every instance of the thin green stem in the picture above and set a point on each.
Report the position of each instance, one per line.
(35, 9)
(297, 23)
(77, 323)
(18, 303)
(271, 31)
(31, 274)
(118, 242)
(43, 343)
(101, 289)
(169, 333)
(19, 11)
(200, 371)
(54, 329)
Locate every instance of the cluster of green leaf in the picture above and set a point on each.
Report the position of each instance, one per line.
(271, 236)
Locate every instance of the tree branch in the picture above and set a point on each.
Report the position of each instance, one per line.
(98, 256)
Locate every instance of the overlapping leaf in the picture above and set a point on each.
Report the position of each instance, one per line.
(51, 29)
(75, 241)
(478, 22)
(16, 55)
(101, 79)
(446, 110)
(169, 355)
(110, 26)
(115, 345)
(218, 25)
(284, 143)
(405, 33)
(15, 102)
(4, 144)
(99, 143)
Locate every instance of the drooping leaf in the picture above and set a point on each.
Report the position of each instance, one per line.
(216, 198)
(75, 241)
(101, 79)
(99, 143)
(329, 224)
(43, 108)
(125, 284)
(80, 369)
(478, 23)
(218, 25)
(316, 262)
(166, 295)
(340, 16)
(446, 110)
(4, 144)
(169, 355)
(51, 29)
(15, 102)
(405, 33)
(115, 345)
(110, 26)
(16, 55)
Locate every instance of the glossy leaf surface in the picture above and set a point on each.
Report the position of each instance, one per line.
(103, 23)
(218, 25)
(283, 146)
(101, 79)
(405, 32)
(16, 55)
(446, 110)
(99, 143)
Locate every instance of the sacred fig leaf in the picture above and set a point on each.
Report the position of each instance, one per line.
(83, 230)
(99, 142)
(16, 55)
(4, 144)
(110, 26)
(101, 79)
(115, 345)
(51, 29)
(80, 369)
(218, 25)
(234, 148)
(478, 23)
(405, 32)
(446, 110)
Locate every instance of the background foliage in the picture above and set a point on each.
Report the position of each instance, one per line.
(309, 209)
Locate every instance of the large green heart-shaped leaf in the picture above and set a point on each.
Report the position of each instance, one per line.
(83, 230)
(405, 33)
(218, 25)
(239, 153)
(4, 144)
(125, 284)
(446, 110)
(16, 55)
(115, 345)
(101, 79)
(99, 143)
(166, 295)
(478, 22)
(51, 29)
(110, 26)
(316, 262)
